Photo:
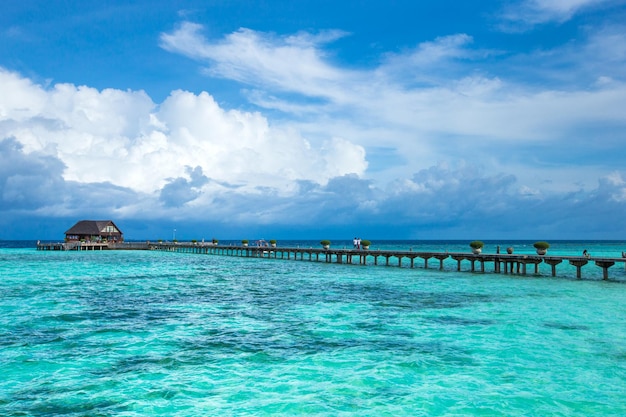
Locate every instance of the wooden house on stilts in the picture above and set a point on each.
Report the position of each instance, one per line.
(95, 231)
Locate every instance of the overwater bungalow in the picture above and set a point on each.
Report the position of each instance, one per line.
(94, 231)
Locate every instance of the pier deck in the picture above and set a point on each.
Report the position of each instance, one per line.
(501, 263)
(62, 246)
(89, 246)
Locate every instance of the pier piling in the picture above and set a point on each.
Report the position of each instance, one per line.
(578, 263)
(605, 265)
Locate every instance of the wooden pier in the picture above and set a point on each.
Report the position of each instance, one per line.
(520, 264)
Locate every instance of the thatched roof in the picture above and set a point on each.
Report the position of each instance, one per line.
(91, 227)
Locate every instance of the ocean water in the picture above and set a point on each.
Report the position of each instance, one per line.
(141, 333)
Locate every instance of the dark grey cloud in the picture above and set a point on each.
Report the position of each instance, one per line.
(179, 191)
(35, 200)
(28, 181)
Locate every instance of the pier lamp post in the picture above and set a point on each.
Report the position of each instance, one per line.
(174, 235)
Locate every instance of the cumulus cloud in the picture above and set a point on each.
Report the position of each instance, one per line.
(123, 138)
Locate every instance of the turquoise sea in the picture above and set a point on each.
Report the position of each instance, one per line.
(143, 333)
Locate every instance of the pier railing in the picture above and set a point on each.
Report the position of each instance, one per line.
(501, 263)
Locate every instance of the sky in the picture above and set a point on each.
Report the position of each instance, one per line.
(234, 119)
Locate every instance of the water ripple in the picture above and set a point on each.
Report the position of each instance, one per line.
(138, 334)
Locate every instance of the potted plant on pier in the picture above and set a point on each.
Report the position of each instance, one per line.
(542, 247)
(365, 244)
(215, 241)
(477, 246)
(244, 242)
(325, 244)
(273, 243)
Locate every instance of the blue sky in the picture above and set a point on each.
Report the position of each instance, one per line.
(314, 119)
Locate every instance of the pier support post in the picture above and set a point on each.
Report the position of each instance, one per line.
(426, 258)
(458, 260)
(553, 263)
(578, 263)
(605, 265)
(441, 259)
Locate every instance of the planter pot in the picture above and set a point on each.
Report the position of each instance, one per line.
(477, 251)
(509, 250)
(273, 245)
(244, 244)
(542, 251)
(326, 246)
(366, 248)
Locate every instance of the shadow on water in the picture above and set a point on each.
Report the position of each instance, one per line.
(564, 326)
(46, 407)
(461, 321)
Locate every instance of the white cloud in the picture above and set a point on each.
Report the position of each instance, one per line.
(122, 137)
(429, 58)
(615, 185)
(533, 12)
(20, 99)
(293, 63)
